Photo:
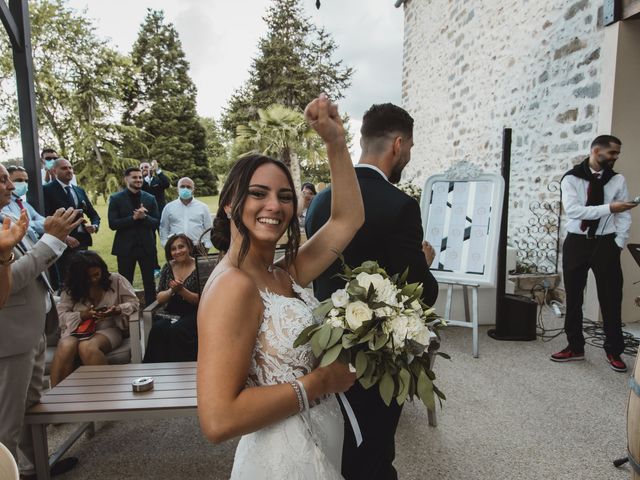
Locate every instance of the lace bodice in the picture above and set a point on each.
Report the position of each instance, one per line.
(274, 358)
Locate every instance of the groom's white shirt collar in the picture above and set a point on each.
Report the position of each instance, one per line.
(372, 167)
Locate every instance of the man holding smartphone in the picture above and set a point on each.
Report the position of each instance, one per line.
(596, 200)
(61, 193)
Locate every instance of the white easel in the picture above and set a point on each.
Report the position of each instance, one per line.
(461, 212)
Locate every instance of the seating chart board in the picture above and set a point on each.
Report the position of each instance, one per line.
(461, 220)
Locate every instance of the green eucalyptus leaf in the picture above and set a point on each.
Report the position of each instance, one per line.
(439, 393)
(431, 375)
(331, 355)
(361, 363)
(425, 391)
(336, 335)
(322, 310)
(380, 341)
(349, 340)
(305, 335)
(324, 335)
(315, 345)
(403, 277)
(386, 387)
(444, 355)
(405, 382)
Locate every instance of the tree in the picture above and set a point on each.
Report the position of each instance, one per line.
(217, 151)
(78, 81)
(294, 64)
(282, 133)
(160, 100)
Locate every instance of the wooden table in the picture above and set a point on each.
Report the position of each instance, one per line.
(102, 393)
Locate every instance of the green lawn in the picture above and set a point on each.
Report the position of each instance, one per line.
(103, 240)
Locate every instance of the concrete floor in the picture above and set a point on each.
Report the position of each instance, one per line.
(510, 414)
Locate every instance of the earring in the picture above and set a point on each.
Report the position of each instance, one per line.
(229, 215)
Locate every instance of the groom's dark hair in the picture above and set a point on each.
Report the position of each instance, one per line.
(386, 119)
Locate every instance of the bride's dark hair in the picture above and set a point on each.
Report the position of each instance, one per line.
(234, 193)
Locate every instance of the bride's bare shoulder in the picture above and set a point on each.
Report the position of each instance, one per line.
(226, 281)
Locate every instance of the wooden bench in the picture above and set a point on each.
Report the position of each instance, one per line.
(103, 393)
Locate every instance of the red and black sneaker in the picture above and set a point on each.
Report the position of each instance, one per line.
(567, 355)
(616, 363)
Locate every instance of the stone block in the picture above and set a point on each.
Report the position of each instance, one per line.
(568, 116)
(590, 91)
(585, 127)
(575, 8)
(569, 48)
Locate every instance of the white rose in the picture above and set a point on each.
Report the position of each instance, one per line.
(334, 312)
(340, 298)
(384, 311)
(399, 328)
(365, 280)
(357, 313)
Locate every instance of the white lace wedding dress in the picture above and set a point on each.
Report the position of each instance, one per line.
(305, 446)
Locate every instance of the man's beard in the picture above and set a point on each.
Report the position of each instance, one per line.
(396, 174)
(604, 163)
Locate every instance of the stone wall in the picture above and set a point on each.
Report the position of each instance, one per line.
(472, 68)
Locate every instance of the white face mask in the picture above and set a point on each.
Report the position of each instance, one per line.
(21, 188)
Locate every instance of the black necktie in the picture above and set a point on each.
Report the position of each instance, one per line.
(72, 202)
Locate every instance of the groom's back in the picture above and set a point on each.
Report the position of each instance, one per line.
(391, 234)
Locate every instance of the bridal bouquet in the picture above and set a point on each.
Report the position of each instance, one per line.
(379, 324)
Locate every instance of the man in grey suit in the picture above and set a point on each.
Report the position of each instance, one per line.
(22, 320)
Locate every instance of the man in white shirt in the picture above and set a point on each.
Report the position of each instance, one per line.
(186, 215)
(595, 199)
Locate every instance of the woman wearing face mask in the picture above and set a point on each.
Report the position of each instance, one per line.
(93, 311)
(186, 215)
(174, 335)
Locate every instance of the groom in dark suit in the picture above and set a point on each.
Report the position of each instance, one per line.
(61, 193)
(392, 235)
(134, 216)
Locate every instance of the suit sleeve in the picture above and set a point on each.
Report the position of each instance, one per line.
(29, 266)
(49, 202)
(90, 211)
(117, 222)
(163, 181)
(153, 215)
(405, 249)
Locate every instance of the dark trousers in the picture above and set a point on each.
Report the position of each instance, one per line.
(602, 256)
(373, 459)
(172, 341)
(127, 267)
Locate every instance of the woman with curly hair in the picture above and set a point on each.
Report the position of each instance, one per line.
(94, 309)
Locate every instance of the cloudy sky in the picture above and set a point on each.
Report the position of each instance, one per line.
(220, 38)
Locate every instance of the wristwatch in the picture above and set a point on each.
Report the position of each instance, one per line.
(7, 261)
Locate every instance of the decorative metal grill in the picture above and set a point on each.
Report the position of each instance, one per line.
(538, 242)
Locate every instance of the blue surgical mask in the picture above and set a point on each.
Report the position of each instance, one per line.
(185, 193)
(21, 188)
(48, 164)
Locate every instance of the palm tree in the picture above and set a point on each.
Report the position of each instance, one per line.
(282, 133)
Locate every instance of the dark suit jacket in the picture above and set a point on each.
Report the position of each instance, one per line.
(132, 235)
(55, 197)
(392, 235)
(158, 185)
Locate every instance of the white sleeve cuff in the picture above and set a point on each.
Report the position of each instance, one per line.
(58, 246)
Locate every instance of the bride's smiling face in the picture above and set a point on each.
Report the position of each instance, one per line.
(269, 204)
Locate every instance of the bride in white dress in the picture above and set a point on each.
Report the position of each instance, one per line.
(251, 381)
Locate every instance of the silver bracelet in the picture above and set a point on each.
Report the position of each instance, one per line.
(296, 388)
(305, 398)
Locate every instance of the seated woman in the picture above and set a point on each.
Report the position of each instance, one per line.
(174, 334)
(92, 300)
